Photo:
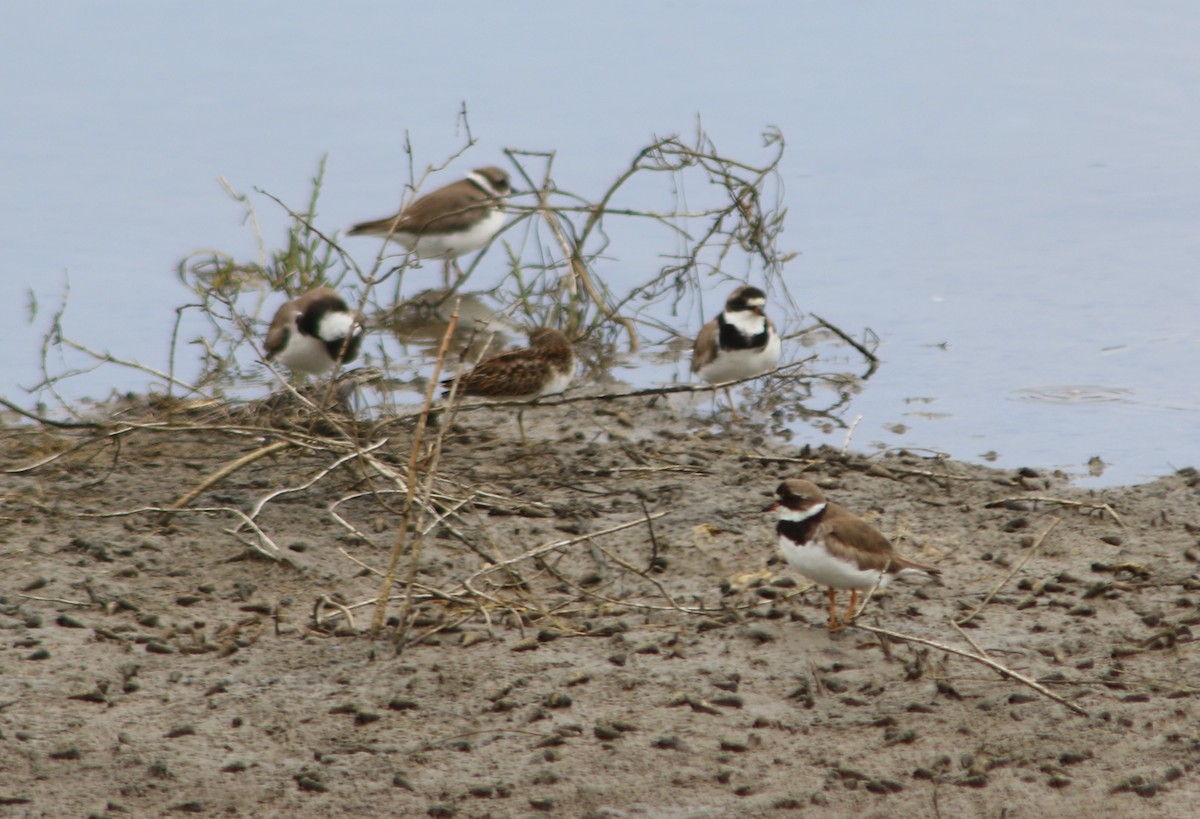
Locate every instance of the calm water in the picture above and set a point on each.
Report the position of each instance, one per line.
(1008, 195)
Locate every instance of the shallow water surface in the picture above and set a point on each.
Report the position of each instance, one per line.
(1007, 196)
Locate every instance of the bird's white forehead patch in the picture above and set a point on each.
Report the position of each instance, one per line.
(483, 182)
(797, 515)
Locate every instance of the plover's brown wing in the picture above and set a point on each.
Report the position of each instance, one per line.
(455, 207)
(852, 539)
(706, 347)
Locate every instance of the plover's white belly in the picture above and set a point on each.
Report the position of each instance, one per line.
(305, 354)
(730, 365)
(812, 561)
(452, 245)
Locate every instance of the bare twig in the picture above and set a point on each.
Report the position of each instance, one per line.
(220, 475)
(263, 501)
(50, 422)
(579, 268)
(550, 547)
(411, 486)
(962, 621)
(962, 632)
(81, 604)
(979, 658)
(1094, 505)
(862, 350)
(267, 548)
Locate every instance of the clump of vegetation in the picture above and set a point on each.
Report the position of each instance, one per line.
(719, 218)
(707, 220)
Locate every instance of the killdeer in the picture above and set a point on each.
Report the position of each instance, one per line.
(312, 333)
(449, 222)
(545, 367)
(739, 343)
(830, 545)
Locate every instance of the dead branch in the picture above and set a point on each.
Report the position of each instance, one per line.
(579, 268)
(49, 422)
(263, 501)
(863, 351)
(267, 547)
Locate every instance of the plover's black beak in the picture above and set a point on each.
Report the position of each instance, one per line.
(771, 507)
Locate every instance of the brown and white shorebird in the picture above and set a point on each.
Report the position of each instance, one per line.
(449, 222)
(312, 333)
(545, 367)
(739, 343)
(830, 545)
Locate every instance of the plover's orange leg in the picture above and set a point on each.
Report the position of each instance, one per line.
(832, 610)
(853, 603)
(732, 407)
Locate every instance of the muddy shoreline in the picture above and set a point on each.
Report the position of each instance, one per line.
(556, 666)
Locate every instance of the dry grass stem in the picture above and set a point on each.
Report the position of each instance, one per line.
(1089, 505)
(410, 490)
(550, 547)
(962, 633)
(979, 658)
(315, 479)
(220, 475)
(1037, 544)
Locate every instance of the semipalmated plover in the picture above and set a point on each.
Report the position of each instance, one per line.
(739, 343)
(312, 333)
(449, 222)
(830, 545)
(545, 367)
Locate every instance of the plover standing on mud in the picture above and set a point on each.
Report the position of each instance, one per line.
(832, 546)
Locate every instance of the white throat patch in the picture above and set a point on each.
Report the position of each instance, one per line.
(746, 322)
